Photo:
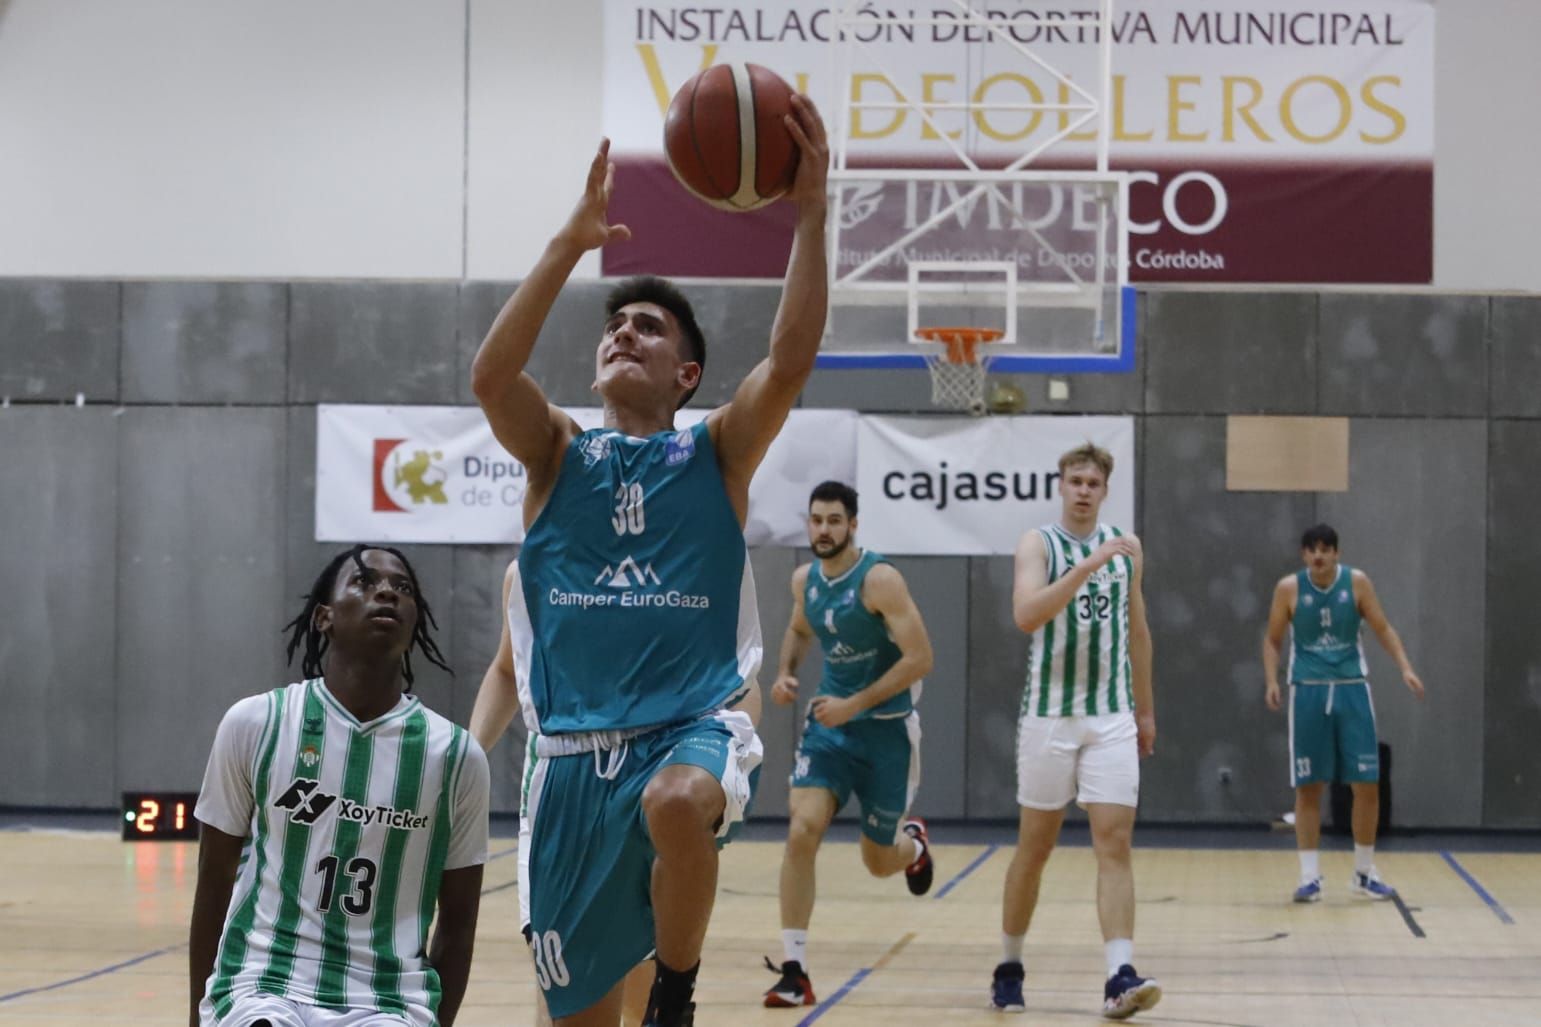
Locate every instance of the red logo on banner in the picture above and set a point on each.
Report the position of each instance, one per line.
(382, 499)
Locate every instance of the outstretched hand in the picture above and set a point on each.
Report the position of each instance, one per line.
(810, 186)
(587, 226)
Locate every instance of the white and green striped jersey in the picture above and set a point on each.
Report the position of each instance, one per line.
(1078, 665)
(350, 827)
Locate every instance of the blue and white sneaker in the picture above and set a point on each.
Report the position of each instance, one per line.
(1370, 886)
(1310, 891)
(1127, 993)
(1006, 988)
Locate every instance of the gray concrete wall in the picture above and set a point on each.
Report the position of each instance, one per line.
(157, 537)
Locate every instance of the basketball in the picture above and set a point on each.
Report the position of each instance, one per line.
(725, 137)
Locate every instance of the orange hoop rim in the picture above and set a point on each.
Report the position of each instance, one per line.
(962, 342)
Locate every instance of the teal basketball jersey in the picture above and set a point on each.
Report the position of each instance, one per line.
(857, 647)
(636, 603)
(1325, 647)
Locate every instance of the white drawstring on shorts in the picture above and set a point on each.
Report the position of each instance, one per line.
(609, 768)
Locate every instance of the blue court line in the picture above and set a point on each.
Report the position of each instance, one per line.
(1482, 893)
(978, 862)
(94, 973)
(829, 1003)
(500, 855)
(856, 979)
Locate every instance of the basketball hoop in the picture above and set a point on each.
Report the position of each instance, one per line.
(958, 371)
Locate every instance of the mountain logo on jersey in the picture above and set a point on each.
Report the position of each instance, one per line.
(681, 448)
(627, 574)
(1308, 600)
(305, 802)
(840, 652)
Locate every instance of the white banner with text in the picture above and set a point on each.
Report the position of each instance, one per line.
(436, 474)
(970, 487)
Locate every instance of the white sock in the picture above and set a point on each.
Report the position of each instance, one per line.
(1364, 858)
(795, 945)
(1119, 952)
(1011, 947)
(1310, 865)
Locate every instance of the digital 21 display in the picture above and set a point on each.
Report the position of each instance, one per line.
(159, 816)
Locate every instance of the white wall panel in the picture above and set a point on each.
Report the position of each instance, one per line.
(183, 138)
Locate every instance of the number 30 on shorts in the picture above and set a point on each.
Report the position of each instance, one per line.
(550, 968)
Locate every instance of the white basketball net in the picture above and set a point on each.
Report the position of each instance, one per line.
(959, 385)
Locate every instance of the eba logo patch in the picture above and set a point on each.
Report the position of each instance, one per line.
(1308, 600)
(1343, 597)
(681, 448)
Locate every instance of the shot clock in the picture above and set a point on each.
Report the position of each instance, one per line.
(159, 816)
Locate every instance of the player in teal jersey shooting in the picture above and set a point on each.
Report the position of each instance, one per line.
(635, 624)
(1331, 717)
(1088, 716)
(360, 815)
(862, 733)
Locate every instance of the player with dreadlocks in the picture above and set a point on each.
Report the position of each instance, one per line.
(361, 813)
(304, 629)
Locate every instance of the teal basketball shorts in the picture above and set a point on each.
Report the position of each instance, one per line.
(1332, 734)
(590, 856)
(876, 759)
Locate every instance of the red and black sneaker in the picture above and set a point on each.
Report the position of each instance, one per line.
(794, 988)
(919, 873)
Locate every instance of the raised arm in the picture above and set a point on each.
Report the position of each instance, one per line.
(1141, 657)
(1034, 599)
(743, 429)
(1370, 610)
(497, 700)
(885, 594)
(794, 644)
(525, 424)
(1273, 639)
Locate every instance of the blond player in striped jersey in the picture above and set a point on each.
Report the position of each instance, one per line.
(1087, 717)
(338, 816)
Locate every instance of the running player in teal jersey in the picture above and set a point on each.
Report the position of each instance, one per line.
(359, 813)
(862, 733)
(635, 626)
(1088, 716)
(1331, 718)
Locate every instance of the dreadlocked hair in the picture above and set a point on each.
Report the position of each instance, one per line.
(303, 628)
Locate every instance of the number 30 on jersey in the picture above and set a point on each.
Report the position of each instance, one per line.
(629, 518)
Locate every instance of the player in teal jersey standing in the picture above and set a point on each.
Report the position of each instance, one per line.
(634, 623)
(360, 815)
(1331, 717)
(862, 734)
(1088, 716)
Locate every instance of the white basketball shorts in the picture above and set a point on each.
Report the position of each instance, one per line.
(1088, 759)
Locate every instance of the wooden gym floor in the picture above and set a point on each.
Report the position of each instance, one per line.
(93, 930)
